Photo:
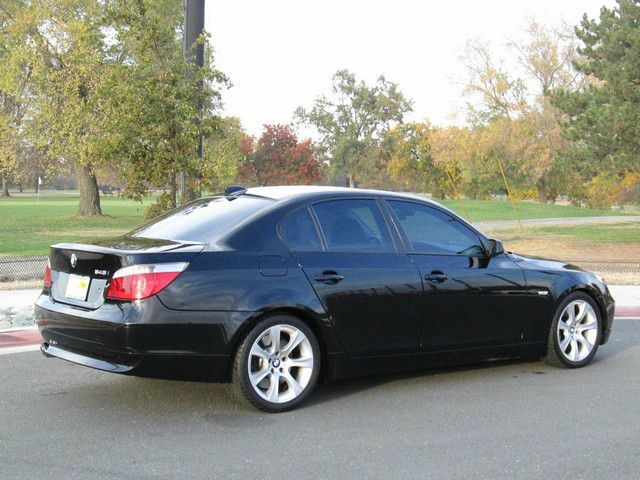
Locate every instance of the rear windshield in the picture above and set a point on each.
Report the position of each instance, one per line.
(204, 219)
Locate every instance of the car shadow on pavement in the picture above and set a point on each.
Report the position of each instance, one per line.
(173, 398)
(425, 378)
(488, 371)
(109, 394)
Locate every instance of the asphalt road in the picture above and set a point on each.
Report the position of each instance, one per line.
(549, 222)
(516, 420)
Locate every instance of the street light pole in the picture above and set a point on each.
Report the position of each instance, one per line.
(193, 52)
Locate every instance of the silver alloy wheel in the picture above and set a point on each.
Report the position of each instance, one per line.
(280, 363)
(577, 330)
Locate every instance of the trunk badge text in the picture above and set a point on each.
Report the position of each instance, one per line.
(74, 260)
(101, 272)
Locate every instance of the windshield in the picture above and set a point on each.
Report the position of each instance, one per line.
(204, 219)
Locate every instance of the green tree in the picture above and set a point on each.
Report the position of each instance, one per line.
(223, 155)
(411, 160)
(108, 87)
(602, 119)
(9, 140)
(351, 122)
(154, 95)
(11, 111)
(60, 43)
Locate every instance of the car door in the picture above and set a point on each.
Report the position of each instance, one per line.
(471, 300)
(371, 290)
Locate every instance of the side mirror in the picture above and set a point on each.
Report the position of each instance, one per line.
(495, 248)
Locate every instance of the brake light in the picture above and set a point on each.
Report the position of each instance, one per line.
(141, 281)
(47, 275)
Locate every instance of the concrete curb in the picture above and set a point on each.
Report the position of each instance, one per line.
(19, 337)
(627, 311)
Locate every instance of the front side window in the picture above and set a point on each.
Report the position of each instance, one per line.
(353, 226)
(430, 230)
(299, 232)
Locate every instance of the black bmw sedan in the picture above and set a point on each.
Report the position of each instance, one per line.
(274, 288)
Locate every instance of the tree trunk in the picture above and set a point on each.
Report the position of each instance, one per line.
(89, 204)
(352, 183)
(173, 190)
(542, 196)
(542, 191)
(191, 190)
(5, 186)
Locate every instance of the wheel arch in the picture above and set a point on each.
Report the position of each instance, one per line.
(316, 324)
(593, 294)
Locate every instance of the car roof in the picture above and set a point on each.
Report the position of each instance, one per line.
(287, 192)
(296, 193)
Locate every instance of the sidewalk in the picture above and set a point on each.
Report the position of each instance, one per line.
(16, 307)
(627, 300)
(17, 325)
(17, 330)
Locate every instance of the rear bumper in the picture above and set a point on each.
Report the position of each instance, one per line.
(139, 338)
(66, 353)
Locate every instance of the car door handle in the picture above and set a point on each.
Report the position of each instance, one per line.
(329, 277)
(436, 277)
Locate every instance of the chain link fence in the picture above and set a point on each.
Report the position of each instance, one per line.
(22, 268)
(605, 266)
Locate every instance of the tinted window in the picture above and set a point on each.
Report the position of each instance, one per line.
(203, 219)
(353, 226)
(299, 232)
(431, 231)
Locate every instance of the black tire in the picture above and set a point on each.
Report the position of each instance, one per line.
(555, 356)
(241, 386)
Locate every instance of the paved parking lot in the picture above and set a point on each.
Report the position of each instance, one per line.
(516, 420)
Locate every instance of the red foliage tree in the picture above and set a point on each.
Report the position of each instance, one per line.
(277, 158)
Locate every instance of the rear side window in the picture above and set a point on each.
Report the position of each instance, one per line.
(203, 219)
(431, 231)
(353, 226)
(299, 232)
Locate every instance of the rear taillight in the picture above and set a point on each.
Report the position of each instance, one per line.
(47, 275)
(142, 281)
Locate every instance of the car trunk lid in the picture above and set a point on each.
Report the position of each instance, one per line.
(81, 272)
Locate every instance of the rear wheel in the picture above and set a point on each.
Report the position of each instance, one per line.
(575, 332)
(277, 364)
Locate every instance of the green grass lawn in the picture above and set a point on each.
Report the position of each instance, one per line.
(616, 233)
(595, 234)
(27, 227)
(486, 210)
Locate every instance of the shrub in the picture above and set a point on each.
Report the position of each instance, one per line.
(602, 192)
(163, 204)
(630, 186)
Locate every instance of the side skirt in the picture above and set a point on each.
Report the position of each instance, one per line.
(341, 365)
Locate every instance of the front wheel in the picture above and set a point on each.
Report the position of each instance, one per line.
(276, 367)
(576, 332)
